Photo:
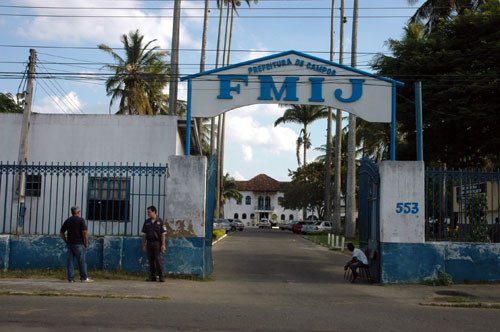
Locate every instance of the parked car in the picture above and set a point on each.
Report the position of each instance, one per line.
(297, 228)
(222, 224)
(319, 226)
(236, 224)
(264, 223)
(285, 224)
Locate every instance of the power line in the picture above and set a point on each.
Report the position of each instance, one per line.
(64, 93)
(51, 97)
(201, 8)
(213, 16)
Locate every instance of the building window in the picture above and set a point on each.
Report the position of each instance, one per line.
(244, 216)
(108, 199)
(235, 216)
(268, 203)
(261, 202)
(33, 185)
(291, 217)
(252, 216)
(248, 200)
(282, 217)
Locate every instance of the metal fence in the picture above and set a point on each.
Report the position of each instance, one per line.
(36, 198)
(462, 205)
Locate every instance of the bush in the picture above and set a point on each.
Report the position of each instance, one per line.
(217, 234)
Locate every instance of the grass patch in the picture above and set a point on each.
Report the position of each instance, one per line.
(61, 274)
(217, 234)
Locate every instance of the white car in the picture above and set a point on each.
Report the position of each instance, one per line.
(319, 226)
(222, 224)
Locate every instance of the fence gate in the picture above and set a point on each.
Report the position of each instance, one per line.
(369, 214)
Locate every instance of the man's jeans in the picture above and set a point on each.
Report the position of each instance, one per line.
(78, 251)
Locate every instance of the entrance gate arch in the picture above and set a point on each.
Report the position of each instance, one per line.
(292, 77)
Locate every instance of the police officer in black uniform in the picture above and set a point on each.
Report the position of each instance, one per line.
(153, 242)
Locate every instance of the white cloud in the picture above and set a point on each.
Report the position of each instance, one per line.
(272, 110)
(106, 30)
(247, 152)
(247, 131)
(238, 176)
(55, 104)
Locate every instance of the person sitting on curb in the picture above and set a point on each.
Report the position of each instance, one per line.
(358, 259)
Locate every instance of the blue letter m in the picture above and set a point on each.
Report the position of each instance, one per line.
(267, 84)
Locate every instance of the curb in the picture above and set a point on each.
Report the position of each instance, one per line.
(220, 239)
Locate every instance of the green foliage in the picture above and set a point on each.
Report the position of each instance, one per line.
(306, 190)
(475, 213)
(303, 115)
(230, 189)
(443, 279)
(139, 78)
(217, 234)
(457, 63)
(8, 104)
(274, 217)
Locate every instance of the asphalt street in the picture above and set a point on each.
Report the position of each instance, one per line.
(264, 280)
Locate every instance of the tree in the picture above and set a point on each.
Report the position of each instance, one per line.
(139, 78)
(304, 115)
(230, 191)
(306, 190)
(434, 11)
(8, 104)
(458, 66)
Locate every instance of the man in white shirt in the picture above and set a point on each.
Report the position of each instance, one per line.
(358, 259)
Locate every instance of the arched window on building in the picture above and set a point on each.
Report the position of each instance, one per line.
(235, 216)
(261, 202)
(268, 203)
(248, 200)
(291, 217)
(282, 217)
(252, 216)
(244, 216)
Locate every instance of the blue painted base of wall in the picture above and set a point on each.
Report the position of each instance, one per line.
(415, 262)
(184, 255)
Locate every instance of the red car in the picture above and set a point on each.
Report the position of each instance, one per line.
(297, 228)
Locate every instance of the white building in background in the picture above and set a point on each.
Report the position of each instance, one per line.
(260, 201)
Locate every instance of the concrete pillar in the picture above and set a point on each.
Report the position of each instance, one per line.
(402, 202)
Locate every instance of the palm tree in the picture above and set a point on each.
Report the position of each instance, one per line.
(139, 78)
(304, 115)
(230, 191)
(433, 11)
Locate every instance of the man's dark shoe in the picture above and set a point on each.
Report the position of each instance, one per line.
(354, 276)
(161, 279)
(151, 279)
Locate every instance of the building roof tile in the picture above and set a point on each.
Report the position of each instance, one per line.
(261, 182)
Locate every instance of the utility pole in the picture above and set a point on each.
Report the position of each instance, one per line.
(22, 158)
(338, 137)
(350, 218)
(328, 162)
(174, 60)
(202, 61)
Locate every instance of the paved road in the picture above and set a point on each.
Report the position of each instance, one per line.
(265, 280)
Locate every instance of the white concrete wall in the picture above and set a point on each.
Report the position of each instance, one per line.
(92, 138)
(186, 193)
(402, 182)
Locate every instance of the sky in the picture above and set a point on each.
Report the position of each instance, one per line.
(253, 144)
